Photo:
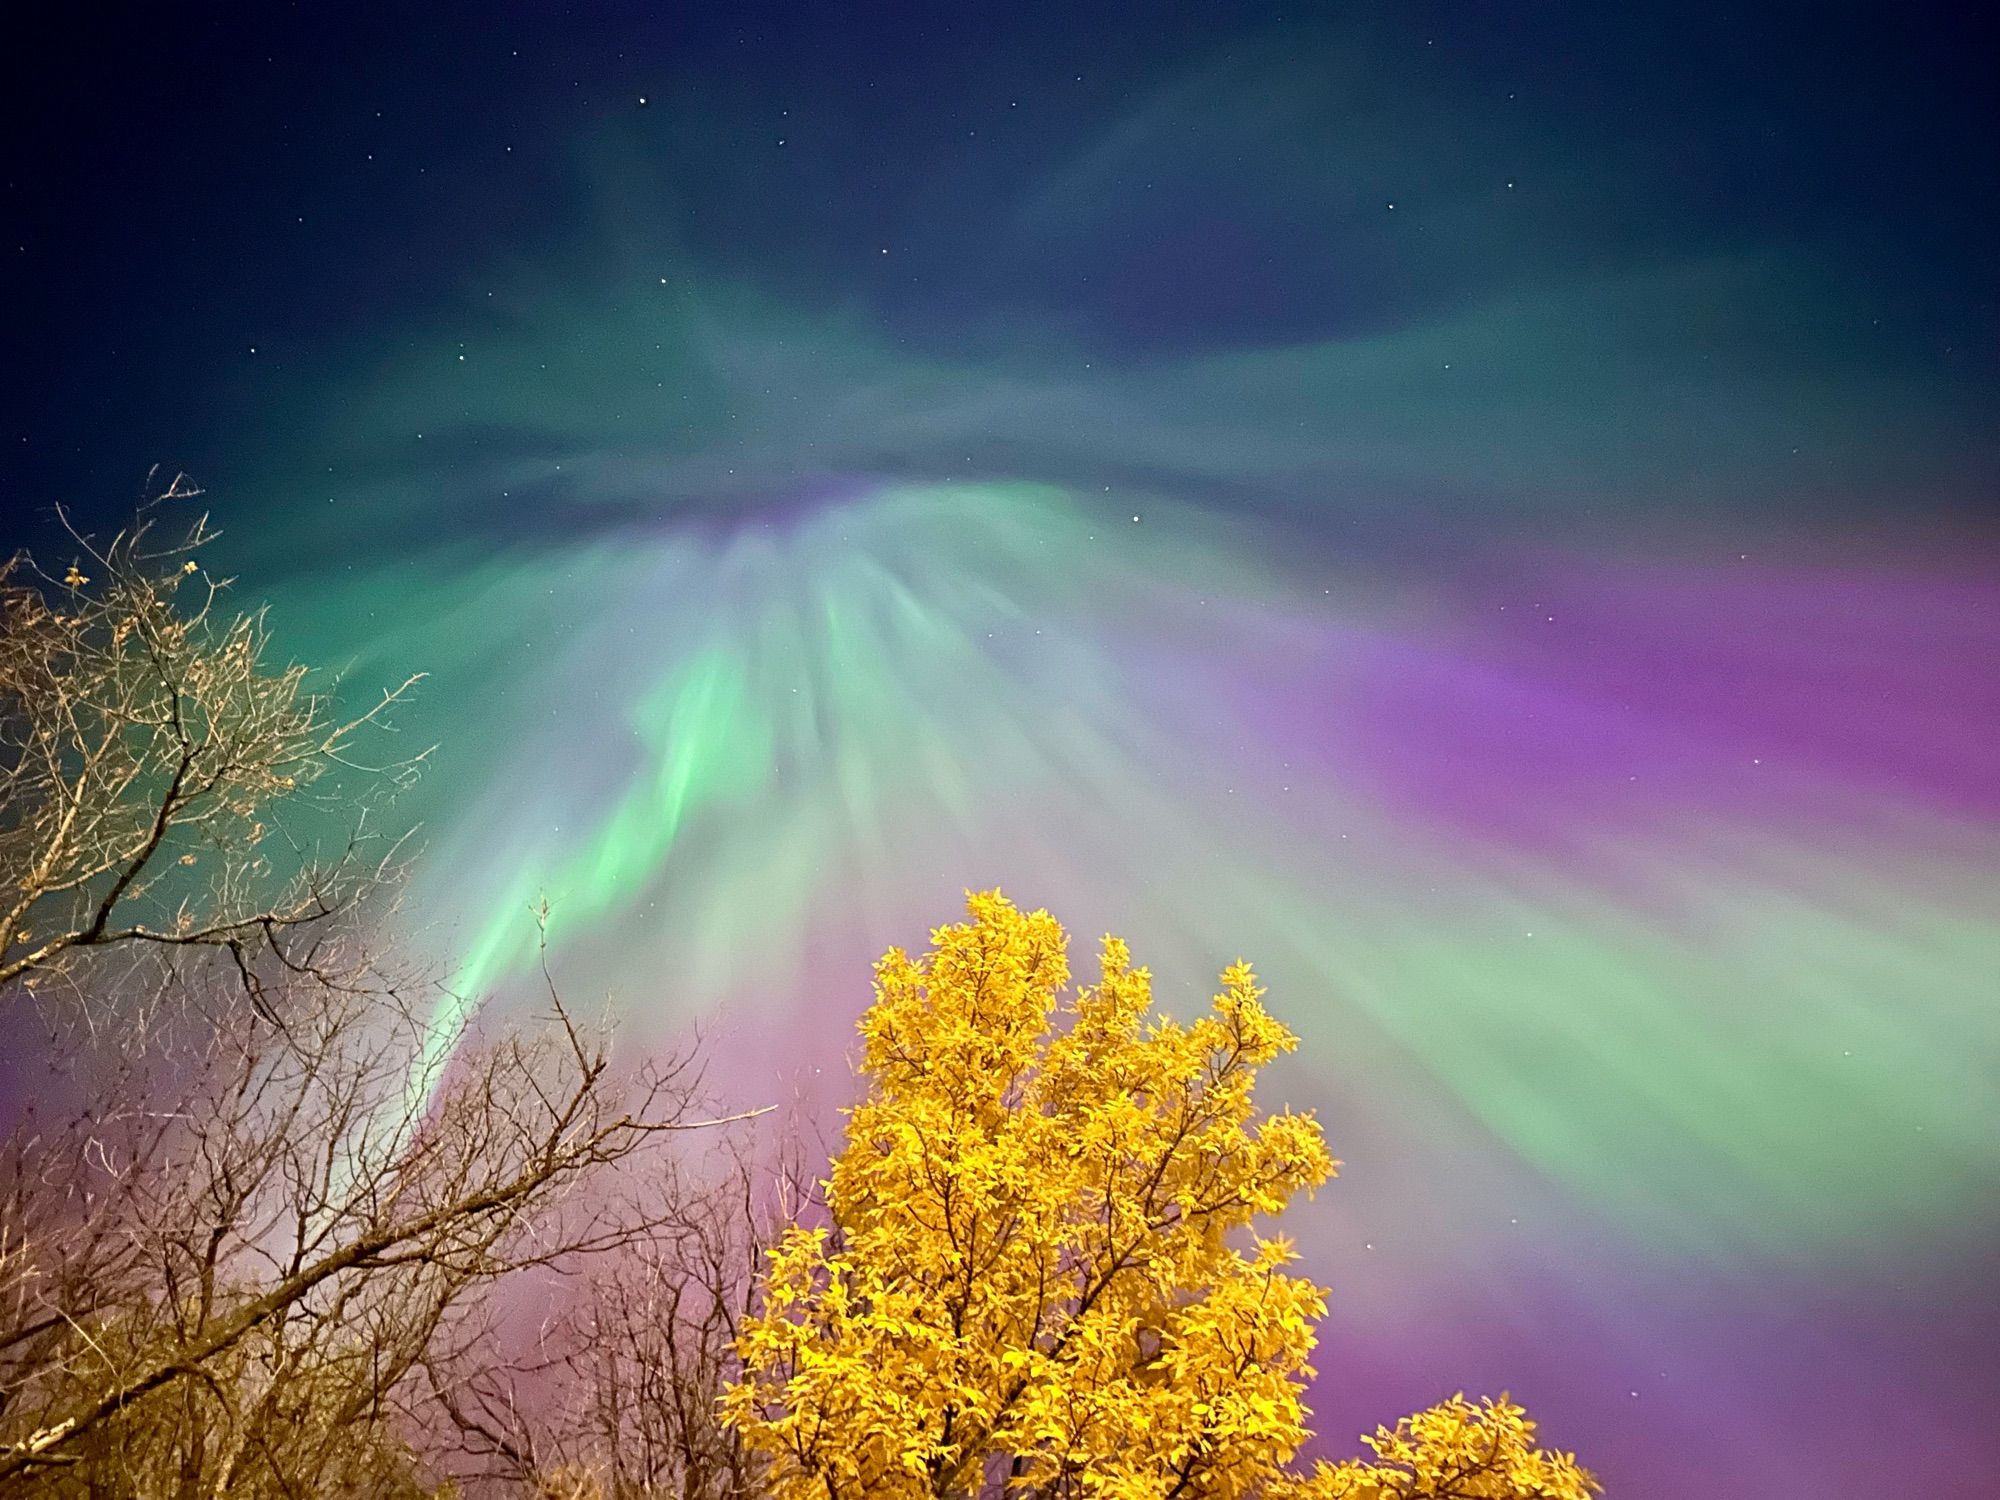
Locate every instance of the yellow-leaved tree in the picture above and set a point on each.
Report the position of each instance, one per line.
(1040, 1275)
(1457, 1450)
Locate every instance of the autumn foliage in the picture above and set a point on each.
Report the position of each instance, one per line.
(1457, 1450)
(1042, 1273)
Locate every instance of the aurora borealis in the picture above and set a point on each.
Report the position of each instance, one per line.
(1490, 519)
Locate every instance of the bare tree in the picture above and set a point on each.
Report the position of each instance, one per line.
(256, 1208)
(232, 1277)
(161, 786)
(617, 1396)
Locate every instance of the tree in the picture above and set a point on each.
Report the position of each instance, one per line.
(272, 1249)
(1039, 1272)
(617, 1397)
(258, 1198)
(1457, 1451)
(145, 744)
(1029, 1276)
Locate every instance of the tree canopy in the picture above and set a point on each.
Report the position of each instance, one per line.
(1042, 1271)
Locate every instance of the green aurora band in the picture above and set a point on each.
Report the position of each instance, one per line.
(1614, 819)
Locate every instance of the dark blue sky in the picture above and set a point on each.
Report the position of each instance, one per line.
(183, 185)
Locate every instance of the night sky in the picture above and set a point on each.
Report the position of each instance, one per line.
(1487, 510)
